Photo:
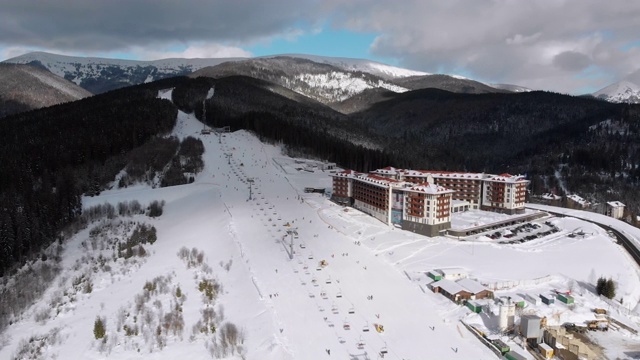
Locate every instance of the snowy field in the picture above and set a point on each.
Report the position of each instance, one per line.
(294, 308)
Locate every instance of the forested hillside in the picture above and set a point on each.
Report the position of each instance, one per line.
(564, 144)
(303, 126)
(50, 157)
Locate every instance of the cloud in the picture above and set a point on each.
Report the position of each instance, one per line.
(199, 50)
(109, 25)
(571, 61)
(539, 44)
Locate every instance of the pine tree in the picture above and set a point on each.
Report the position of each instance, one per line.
(99, 329)
(610, 289)
(600, 285)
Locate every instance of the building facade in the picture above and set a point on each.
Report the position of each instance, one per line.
(422, 201)
(615, 209)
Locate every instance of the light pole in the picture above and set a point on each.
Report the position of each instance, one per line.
(250, 181)
(291, 232)
(228, 155)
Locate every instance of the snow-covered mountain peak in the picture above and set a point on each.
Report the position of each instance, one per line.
(368, 66)
(622, 91)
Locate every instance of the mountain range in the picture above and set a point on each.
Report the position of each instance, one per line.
(24, 88)
(330, 80)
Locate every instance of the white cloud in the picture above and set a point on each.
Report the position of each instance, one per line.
(501, 41)
(519, 39)
(199, 50)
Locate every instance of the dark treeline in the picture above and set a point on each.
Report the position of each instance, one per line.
(50, 157)
(314, 142)
(308, 127)
(482, 132)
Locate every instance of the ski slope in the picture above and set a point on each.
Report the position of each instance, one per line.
(287, 305)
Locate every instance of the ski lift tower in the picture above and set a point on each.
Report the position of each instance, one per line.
(228, 155)
(292, 232)
(250, 181)
(204, 110)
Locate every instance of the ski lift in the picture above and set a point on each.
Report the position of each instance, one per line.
(312, 295)
(310, 256)
(328, 281)
(334, 309)
(365, 328)
(352, 310)
(346, 325)
(360, 344)
(320, 308)
(341, 340)
(383, 351)
(339, 294)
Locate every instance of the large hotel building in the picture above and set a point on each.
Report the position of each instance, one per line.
(422, 201)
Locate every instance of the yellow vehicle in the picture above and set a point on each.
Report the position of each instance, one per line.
(379, 328)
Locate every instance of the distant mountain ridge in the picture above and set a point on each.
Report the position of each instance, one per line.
(25, 87)
(624, 91)
(99, 75)
(323, 82)
(330, 80)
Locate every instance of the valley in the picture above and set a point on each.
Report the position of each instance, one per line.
(233, 227)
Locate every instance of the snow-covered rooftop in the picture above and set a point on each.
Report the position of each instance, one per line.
(449, 286)
(445, 174)
(427, 188)
(577, 198)
(508, 178)
(473, 286)
(615, 204)
(377, 180)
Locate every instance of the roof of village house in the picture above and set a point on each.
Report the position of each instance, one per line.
(615, 204)
(449, 286)
(472, 286)
(577, 199)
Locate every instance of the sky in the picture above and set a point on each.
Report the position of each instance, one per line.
(567, 46)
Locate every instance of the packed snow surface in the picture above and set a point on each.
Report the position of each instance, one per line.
(292, 307)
